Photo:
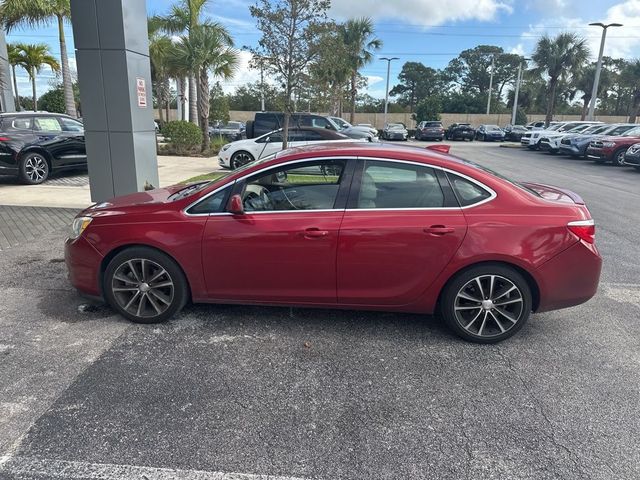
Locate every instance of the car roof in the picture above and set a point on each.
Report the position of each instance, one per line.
(31, 112)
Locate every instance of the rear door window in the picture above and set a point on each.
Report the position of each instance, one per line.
(47, 124)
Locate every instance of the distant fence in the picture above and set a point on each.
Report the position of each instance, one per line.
(377, 119)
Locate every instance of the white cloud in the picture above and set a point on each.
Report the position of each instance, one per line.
(243, 75)
(621, 41)
(422, 12)
(373, 79)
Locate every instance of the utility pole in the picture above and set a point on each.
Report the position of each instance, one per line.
(493, 63)
(596, 80)
(261, 86)
(386, 97)
(515, 96)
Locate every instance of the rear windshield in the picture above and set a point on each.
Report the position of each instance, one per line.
(433, 124)
(498, 175)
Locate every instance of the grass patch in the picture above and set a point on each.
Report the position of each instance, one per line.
(206, 177)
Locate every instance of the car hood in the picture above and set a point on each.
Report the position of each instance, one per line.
(157, 196)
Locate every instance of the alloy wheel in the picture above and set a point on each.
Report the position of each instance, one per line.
(142, 288)
(36, 168)
(488, 305)
(240, 159)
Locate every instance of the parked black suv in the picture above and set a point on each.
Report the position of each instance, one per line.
(462, 131)
(33, 145)
(265, 122)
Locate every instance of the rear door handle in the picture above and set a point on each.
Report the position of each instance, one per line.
(315, 233)
(439, 230)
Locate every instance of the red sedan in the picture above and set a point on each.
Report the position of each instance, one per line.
(353, 226)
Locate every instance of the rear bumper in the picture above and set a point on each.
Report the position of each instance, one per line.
(570, 278)
(83, 266)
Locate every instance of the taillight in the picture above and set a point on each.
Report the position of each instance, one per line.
(4, 139)
(584, 230)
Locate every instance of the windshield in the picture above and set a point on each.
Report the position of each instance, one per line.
(596, 129)
(433, 124)
(634, 132)
(340, 122)
(492, 127)
(554, 127)
(233, 125)
(395, 126)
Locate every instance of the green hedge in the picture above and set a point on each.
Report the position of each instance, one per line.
(183, 136)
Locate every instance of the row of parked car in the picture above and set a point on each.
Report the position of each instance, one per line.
(617, 143)
(434, 130)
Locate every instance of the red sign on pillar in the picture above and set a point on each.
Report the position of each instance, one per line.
(141, 89)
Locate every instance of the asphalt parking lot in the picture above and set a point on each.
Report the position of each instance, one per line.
(228, 392)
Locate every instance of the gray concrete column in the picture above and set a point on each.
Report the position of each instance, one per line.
(112, 53)
(7, 100)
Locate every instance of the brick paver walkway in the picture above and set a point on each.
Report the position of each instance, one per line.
(22, 224)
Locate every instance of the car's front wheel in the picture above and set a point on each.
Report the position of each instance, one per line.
(487, 304)
(145, 285)
(618, 157)
(240, 159)
(33, 169)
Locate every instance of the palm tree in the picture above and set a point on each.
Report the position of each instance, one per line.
(583, 82)
(558, 59)
(35, 56)
(630, 75)
(185, 17)
(16, 56)
(359, 38)
(207, 48)
(33, 13)
(159, 46)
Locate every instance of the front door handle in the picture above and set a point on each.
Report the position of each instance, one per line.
(439, 230)
(315, 233)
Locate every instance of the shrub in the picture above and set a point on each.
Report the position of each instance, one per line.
(183, 136)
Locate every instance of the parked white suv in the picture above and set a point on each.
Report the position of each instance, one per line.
(532, 139)
(550, 141)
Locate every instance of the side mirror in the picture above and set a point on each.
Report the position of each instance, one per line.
(235, 205)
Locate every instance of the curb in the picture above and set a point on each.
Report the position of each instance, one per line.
(510, 145)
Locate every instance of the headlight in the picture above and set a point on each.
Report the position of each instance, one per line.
(226, 147)
(78, 226)
(608, 144)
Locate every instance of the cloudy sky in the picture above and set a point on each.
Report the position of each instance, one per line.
(430, 31)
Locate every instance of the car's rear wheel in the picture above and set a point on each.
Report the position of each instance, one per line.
(240, 159)
(618, 157)
(145, 285)
(33, 169)
(487, 304)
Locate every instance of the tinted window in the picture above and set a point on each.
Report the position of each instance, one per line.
(620, 130)
(46, 124)
(266, 122)
(215, 203)
(16, 124)
(433, 124)
(307, 186)
(467, 192)
(312, 136)
(398, 185)
(69, 125)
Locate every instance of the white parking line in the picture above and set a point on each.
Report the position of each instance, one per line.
(59, 469)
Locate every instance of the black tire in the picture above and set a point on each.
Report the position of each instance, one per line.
(496, 331)
(240, 158)
(618, 157)
(169, 299)
(33, 168)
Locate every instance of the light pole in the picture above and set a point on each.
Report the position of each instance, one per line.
(515, 95)
(493, 64)
(596, 80)
(386, 96)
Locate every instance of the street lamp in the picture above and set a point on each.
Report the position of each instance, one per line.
(386, 97)
(515, 95)
(596, 80)
(493, 66)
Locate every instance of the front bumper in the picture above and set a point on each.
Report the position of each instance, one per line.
(549, 144)
(632, 159)
(570, 278)
(599, 153)
(224, 159)
(572, 150)
(83, 266)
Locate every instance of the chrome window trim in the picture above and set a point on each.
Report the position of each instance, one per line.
(349, 157)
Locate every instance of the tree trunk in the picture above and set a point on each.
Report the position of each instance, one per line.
(203, 108)
(193, 105)
(183, 102)
(354, 92)
(33, 89)
(285, 128)
(15, 88)
(635, 109)
(585, 107)
(67, 84)
(551, 102)
(167, 107)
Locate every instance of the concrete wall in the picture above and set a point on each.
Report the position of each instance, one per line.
(377, 119)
